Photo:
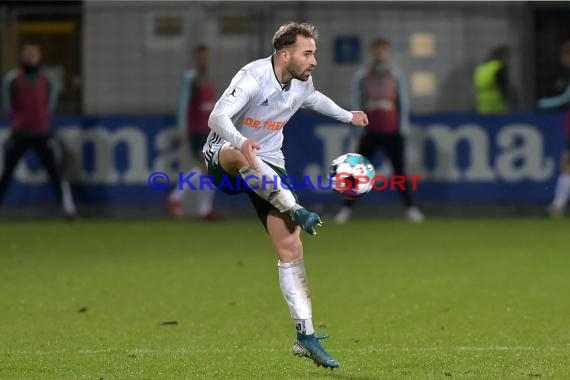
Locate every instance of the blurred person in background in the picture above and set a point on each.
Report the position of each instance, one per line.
(197, 98)
(562, 191)
(493, 92)
(30, 98)
(381, 92)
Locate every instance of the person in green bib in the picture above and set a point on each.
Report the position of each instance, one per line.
(492, 83)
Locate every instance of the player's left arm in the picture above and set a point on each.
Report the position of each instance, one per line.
(53, 93)
(403, 101)
(323, 104)
(556, 101)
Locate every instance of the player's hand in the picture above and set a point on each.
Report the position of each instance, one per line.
(248, 149)
(359, 119)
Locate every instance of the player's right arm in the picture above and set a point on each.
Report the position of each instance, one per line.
(7, 83)
(403, 101)
(357, 90)
(241, 91)
(184, 100)
(556, 101)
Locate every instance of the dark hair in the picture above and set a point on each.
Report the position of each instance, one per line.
(287, 34)
(499, 52)
(379, 42)
(200, 48)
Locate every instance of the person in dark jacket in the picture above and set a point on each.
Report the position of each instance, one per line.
(30, 98)
(379, 90)
(197, 99)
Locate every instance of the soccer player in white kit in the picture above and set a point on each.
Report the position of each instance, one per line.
(246, 138)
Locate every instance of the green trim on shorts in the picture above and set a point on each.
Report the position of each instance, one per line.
(229, 185)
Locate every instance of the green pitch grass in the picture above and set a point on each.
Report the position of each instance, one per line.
(467, 299)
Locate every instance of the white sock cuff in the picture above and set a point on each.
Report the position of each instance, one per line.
(304, 326)
(294, 264)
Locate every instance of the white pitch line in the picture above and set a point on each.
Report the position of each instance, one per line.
(259, 350)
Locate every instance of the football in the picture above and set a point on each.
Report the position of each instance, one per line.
(351, 175)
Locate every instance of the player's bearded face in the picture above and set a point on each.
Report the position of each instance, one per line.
(302, 59)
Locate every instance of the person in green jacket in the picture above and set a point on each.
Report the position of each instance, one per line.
(492, 83)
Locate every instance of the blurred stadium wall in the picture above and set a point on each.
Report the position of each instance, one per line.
(125, 59)
(129, 67)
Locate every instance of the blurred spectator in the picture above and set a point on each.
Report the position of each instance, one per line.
(197, 98)
(493, 90)
(381, 93)
(30, 97)
(562, 191)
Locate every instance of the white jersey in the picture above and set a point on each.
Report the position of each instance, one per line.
(256, 106)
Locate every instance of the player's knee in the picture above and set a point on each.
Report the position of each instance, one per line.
(233, 155)
(290, 249)
(232, 160)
